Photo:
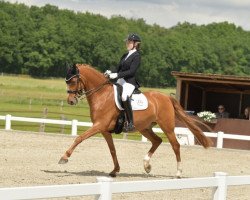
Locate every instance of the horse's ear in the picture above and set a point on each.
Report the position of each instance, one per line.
(74, 69)
(71, 71)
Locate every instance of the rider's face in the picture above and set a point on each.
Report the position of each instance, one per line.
(246, 112)
(129, 45)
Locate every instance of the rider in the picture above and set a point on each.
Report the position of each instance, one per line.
(125, 75)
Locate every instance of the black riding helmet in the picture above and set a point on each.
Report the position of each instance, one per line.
(134, 37)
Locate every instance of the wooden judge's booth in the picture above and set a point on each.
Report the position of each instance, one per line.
(197, 92)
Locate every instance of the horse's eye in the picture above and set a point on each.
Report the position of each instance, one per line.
(72, 83)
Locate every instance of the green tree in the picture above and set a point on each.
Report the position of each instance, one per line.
(44, 41)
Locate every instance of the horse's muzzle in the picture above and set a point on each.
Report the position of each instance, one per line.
(72, 101)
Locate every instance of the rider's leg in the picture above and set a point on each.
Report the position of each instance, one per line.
(129, 114)
(127, 92)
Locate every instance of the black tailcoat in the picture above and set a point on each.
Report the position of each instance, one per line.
(127, 68)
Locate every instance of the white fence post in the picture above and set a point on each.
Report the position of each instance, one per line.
(74, 127)
(144, 139)
(220, 140)
(106, 193)
(190, 138)
(125, 135)
(8, 122)
(220, 192)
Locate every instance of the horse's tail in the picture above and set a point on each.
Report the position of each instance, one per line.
(190, 123)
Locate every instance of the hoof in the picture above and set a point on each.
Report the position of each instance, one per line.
(112, 174)
(178, 174)
(147, 166)
(63, 161)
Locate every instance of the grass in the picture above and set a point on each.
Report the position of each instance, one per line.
(24, 96)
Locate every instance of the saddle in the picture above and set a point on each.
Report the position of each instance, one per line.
(138, 102)
(138, 99)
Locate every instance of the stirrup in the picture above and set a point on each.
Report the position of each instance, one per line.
(129, 127)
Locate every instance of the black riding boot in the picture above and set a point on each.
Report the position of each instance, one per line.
(129, 114)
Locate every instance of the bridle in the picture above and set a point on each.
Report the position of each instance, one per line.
(80, 92)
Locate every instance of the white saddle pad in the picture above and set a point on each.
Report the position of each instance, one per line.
(138, 101)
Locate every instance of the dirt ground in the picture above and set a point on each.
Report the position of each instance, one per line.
(30, 159)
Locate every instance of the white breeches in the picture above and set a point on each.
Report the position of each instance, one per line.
(127, 88)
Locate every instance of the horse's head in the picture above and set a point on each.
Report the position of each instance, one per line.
(75, 87)
(82, 79)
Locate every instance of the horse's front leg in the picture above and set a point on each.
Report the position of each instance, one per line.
(90, 132)
(109, 140)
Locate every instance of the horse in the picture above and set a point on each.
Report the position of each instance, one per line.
(82, 79)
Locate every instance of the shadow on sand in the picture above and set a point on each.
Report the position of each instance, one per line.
(101, 173)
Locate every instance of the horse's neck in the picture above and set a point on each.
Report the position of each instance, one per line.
(93, 80)
(92, 77)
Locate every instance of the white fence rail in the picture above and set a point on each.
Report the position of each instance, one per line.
(184, 135)
(105, 187)
(74, 123)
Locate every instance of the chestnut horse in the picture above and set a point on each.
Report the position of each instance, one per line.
(162, 110)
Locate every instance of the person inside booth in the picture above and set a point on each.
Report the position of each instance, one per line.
(222, 113)
(246, 114)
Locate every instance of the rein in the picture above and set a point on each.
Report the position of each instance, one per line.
(81, 92)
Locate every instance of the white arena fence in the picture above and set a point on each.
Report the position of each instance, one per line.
(184, 135)
(105, 187)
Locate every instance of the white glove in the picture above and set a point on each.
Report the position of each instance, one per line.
(107, 73)
(113, 75)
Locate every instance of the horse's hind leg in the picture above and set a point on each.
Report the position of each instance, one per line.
(156, 141)
(168, 128)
